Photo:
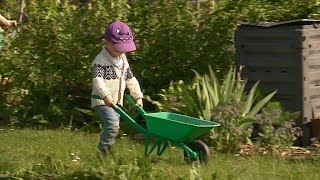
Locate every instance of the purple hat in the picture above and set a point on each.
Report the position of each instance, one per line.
(120, 35)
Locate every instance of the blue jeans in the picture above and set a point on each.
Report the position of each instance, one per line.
(110, 119)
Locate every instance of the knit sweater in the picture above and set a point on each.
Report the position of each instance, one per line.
(112, 79)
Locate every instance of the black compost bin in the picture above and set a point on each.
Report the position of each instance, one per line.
(284, 56)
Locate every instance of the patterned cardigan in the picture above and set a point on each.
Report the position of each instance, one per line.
(110, 79)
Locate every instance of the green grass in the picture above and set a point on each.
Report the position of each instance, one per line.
(32, 154)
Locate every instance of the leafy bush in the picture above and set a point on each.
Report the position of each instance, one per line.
(232, 131)
(242, 115)
(277, 128)
(51, 67)
(272, 128)
(203, 95)
(48, 61)
(223, 101)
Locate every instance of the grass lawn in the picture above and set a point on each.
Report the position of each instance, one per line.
(32, 154)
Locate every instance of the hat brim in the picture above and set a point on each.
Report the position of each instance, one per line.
(125, 47)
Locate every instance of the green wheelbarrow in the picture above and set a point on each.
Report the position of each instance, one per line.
(170, 128)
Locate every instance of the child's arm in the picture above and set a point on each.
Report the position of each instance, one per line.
(7, 23)
(134, 87)
(132, 83)
(98, 85)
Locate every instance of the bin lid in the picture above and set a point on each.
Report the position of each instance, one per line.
(291, 22)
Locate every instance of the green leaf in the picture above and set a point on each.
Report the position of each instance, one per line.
(249, 100)
(86, 111)
(246, 120)
(260, 105)
(244, 126)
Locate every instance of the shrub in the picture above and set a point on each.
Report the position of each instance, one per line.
(48, 60)
(223, 101)
(277, 128)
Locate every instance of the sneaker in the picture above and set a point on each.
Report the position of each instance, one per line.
(103, 153)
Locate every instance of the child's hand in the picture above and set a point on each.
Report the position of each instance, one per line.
(11, 23)
(108, 100)
(139, 102)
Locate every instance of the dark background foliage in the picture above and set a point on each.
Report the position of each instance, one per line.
(45, 66)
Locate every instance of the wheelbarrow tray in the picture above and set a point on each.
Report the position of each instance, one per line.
(177, 127)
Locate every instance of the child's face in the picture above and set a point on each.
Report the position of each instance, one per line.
(112, 51)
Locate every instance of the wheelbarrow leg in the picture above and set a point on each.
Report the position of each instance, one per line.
(196, 150)
(146, 149)
(160, 143)
(191, 154)
(147, 152)
(162, 148)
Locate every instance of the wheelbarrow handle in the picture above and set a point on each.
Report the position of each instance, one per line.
(94, 96)
(128, 98)
(126, 116)
(133, 103)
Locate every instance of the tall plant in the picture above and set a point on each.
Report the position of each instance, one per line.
(224, 101)
(207, 92)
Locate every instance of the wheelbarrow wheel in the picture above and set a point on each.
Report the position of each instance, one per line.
(201, 148)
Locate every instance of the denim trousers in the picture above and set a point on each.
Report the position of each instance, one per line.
(110, 123)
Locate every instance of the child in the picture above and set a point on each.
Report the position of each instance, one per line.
(7, 23)
(111, 75)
